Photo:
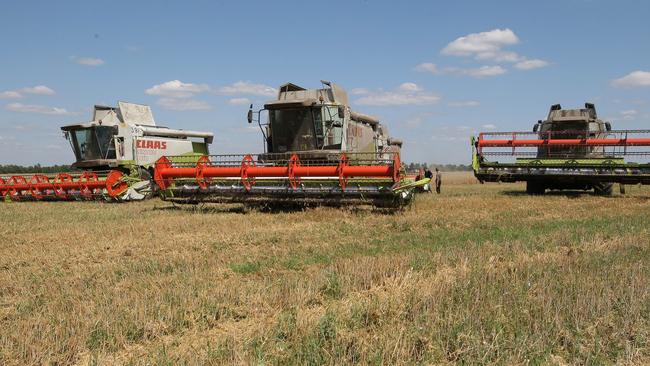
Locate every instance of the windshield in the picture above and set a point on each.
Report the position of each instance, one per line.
(566, 130)
(333, 125)
(93, 143)
(302, 129)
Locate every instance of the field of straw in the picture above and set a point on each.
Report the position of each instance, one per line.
(480, 274)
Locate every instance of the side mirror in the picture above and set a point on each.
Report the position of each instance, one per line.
(250, 114)
(341, 112)
(535, 127)
(337, 124)
(608, 126)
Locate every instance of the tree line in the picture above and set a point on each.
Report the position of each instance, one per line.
(19, 169)
(412, 167)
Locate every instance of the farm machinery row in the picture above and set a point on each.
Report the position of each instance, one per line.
(317, 150)
(571, 149)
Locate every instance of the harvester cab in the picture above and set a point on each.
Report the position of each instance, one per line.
(315, 123)
(572, 124)
(571, 149)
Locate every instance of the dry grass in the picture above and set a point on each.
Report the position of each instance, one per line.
(480, 274)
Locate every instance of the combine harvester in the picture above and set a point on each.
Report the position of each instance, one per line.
(116, 150)
(317, 151)
(571, 149)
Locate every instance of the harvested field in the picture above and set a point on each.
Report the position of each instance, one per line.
(479, 274)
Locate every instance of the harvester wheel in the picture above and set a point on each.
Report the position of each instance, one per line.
(535, 187)
(603, 189)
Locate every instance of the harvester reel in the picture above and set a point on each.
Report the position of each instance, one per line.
(343, 180)
(203, 182)
(59, 180)
(37, 179)
(397, 166)
(246, 163)
(15, 180)
(88, 177)
(294, 162)
(162, 164)
(284, 180)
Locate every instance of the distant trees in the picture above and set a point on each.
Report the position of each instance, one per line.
(413, 167)
(19, 169)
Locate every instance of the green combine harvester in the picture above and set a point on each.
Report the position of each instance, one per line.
(571, 149)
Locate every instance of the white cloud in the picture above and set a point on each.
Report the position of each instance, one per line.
(359, 91)
(481, 44)
(489, 46)
(489, 126)
(88, 61)
(40, 109)
(239, 101)
(427, 67)
(638, 101)
(500, 56)
(462, 104)
(177, 89)
(410, 87)
(183, 104)
(454, 133)
(483, 71)
(633, 79)
(414, 122)
(628, 115)
(393, 99)
(405, 94)
(531, 64)
(38, 89)
(19, 93)
(10, 94)
(630, 112)
(248, 88)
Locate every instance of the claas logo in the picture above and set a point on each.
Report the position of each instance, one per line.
(149, 144)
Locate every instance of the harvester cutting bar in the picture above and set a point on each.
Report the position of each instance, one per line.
(621, 138)
(63, 186)
(316, 176)
(563, 143)
(600, 157)
(567, 142)
(266, 166)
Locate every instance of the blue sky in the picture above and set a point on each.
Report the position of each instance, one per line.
(436, 72)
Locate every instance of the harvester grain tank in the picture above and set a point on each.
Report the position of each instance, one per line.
(571, 149)
(316, 150)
